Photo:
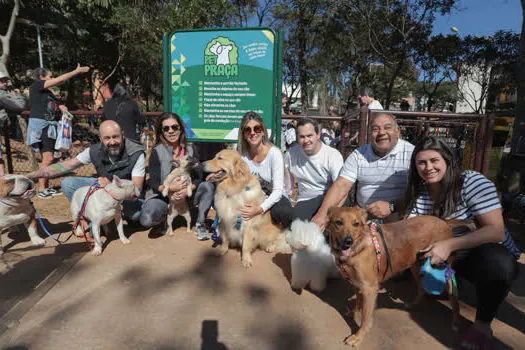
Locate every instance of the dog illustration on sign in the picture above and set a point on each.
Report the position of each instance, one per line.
(222, 52)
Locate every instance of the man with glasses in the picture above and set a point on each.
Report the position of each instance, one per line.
(314, 167)
(115, 155)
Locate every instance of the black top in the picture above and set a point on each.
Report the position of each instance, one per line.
(127, 114)
(42, 101)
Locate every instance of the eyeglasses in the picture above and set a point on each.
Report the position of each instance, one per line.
(256, 129)
(173, 127)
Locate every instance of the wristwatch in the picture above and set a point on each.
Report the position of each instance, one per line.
(391, 207)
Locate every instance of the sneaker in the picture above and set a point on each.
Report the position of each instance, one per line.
(44, 194)
(54, 192)
(202, 232)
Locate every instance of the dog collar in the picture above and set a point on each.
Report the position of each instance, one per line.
(5, 203)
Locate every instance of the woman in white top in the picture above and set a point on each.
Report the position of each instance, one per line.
(265, 161)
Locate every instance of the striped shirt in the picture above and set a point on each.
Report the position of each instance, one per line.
(379, 178)
(478, 196)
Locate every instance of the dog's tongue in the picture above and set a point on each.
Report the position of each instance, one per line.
(346, 252)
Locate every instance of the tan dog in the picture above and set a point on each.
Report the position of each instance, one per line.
(235, 187)
(16, 208)
(355, 253)
(178, 207)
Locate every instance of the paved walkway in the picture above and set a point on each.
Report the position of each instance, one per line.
(173, 293)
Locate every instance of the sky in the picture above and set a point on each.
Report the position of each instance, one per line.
(481, 17)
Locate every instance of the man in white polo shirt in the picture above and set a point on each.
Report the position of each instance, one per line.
(314, 167)
(380, 169)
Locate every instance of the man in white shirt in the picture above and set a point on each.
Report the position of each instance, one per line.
(314, 167)
(380, 169)
(367, 96)
(115, 155)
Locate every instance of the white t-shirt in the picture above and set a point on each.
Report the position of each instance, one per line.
(139, 170)
(270, 173)
(375, 105)
(379, 179)
(314, 174)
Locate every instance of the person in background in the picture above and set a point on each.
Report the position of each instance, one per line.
(10, 103)
(42, 125)
(125, 111)
(367, 96)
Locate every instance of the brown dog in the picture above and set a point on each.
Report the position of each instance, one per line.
(235, 187)
(351, 241)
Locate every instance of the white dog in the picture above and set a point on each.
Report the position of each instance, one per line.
(16, 208)
(312, 259)
(103, 206)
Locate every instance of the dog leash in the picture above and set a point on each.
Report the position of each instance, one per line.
(374, 229)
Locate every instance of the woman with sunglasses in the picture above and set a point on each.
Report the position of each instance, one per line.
(265, 161)
(171, 145)
(485, 257)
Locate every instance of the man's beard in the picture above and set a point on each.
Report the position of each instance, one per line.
(114, 152)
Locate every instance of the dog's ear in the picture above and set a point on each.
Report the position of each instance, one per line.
(364, 215)
(240, 168)
(6, 186)
(117, 181)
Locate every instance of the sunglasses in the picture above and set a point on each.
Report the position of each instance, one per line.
(173, 127)
(256, 129)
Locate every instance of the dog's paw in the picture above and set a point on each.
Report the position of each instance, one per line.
(38, 241)
(170, 233)
(247, 262)
(353, 340)
(125, 241)
(96, 251)
(270, 248)
(222, 250)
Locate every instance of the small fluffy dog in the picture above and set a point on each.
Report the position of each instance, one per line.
(354, 248)
(178, 207)
(16, 208)
(312, 259)
(235, 187)
(102, 207)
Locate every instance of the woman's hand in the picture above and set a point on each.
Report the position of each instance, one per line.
(81, 69)
(250, 210)
(178, 185)
(62, 108)
(180, 195)
(438, 252)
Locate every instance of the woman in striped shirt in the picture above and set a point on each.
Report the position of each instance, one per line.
(485, 257)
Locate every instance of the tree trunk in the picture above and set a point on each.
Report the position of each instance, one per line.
(399, 66)
(518, 135)
(4, 39)
(301, 41)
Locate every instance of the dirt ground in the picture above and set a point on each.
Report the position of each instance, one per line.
(174, 293)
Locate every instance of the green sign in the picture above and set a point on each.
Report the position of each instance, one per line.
(213, 77)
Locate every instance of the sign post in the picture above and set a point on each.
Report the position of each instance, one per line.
(213, 77)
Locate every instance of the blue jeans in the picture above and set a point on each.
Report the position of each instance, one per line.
(130, 209)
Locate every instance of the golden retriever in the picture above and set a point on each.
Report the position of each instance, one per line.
(355, 254)
(235, 187)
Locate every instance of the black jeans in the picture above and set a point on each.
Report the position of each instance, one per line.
(492, 269)
(284, 213)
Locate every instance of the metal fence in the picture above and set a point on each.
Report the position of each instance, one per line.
(470, 135)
